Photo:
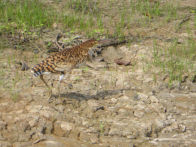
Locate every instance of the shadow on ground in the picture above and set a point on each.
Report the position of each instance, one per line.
(99, 95)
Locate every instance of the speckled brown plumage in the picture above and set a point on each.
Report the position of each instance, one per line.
(63, 61)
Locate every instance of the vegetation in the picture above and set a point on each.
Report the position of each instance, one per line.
(82, 15)
(24, 15)
(176, 60)
(109, 18)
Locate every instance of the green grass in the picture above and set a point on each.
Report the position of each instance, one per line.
(175, 60)
(2, 75)
(76, 23)
(24, 14)
(82, 16)
(195, 19)
(152, 9)
(90, 19)
(101, 128)
(84, 6)
(85, 17)
(146, 8)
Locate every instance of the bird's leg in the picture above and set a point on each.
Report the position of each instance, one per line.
(60, 79)
(50, 89)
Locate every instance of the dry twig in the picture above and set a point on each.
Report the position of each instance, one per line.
(60, 47)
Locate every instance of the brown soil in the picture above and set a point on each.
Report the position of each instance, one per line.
(108, 105)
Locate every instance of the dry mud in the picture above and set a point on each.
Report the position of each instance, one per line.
(108, 105)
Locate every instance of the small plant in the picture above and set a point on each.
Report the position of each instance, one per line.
(85, 69)
(156, 54)
(170, 11)
(119, 27)
(2, 74)
(49, 44)
(77, 78)
(150, 11)
(84, 6)
(101, 128)
(175, 60)
(146, 8)
(14, 96)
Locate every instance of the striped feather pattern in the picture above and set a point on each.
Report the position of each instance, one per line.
(64, 60)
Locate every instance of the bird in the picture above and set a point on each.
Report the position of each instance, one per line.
(63, 62)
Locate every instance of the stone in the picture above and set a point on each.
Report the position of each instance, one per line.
(34, 108)
(124, 98)
(142, 96)
(147, 80)
(62, 128)
(114, 100)
(182, 127)
(66, 126)
(52, 143)
(33, 122)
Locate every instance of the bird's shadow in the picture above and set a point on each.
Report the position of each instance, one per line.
(98, 95)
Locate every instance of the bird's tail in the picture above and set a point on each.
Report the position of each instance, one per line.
(37, 70)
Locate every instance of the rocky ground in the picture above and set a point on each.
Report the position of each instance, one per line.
(108, 105)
